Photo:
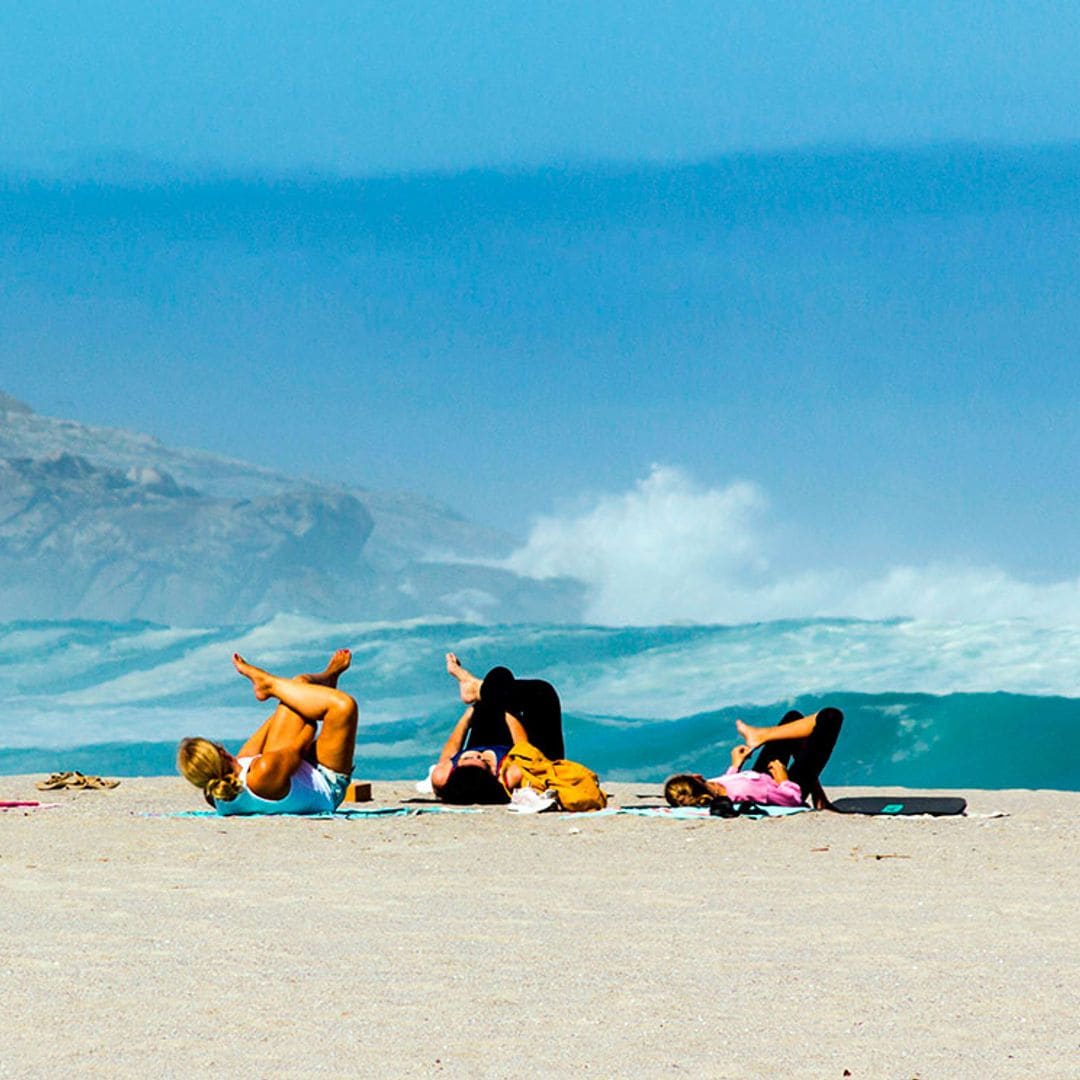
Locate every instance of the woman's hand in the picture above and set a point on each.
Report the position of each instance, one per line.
(739, 755)
(777, 772)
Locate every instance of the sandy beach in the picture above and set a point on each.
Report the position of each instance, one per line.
(492, 945)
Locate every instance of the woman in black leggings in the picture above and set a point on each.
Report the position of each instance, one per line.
(501, 711)
(787, 770)
(801, 744)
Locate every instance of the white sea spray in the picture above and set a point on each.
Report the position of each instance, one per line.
(922, 698)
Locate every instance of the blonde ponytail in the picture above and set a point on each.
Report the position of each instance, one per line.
(224, 790)
(207, 765)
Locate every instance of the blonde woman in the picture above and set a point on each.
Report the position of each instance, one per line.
(289, 766)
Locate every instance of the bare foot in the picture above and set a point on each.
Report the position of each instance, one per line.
(752, 735)
(260, 680)
(337, 663)
(468, 683)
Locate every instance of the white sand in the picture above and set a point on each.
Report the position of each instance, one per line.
(492, 945)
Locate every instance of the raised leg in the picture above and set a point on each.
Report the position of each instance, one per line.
(534, 702)
(283, 727)
(312, 703)
(781, 741)
(793, 726)
(806, 742)
(468, 683)
(335, 667)
(488, 727)
(542, 717)
(813, 755)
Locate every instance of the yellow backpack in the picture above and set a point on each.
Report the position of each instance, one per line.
(575, 786)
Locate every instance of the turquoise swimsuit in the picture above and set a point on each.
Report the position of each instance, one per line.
(313, 789)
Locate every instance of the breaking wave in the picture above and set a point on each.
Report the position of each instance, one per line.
(927, 704)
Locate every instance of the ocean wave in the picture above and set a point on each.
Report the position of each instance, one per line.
(925, 701)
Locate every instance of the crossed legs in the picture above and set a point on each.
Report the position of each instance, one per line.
(806, 742)
(305, 702)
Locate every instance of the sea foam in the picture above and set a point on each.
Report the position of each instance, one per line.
(926, 704)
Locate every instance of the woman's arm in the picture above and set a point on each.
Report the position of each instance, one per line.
(457, 737)
(517, 729)
(441, 773)
(510, 774)
(739, 755)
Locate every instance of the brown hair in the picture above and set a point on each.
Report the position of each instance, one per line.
(686, 790)
(205, 764)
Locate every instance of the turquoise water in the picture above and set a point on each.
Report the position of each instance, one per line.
(926, 705)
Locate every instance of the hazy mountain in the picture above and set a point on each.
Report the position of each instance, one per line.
(107, 524)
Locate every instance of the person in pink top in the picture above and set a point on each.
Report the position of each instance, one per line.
(786, 773)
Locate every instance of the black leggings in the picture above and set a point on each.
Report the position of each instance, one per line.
(533, 701)
(805, 758)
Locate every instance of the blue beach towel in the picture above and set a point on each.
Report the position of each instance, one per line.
(693, 811)
(366, 812)
(678, 812)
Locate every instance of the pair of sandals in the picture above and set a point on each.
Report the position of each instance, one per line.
(76, 780)
(722, 806)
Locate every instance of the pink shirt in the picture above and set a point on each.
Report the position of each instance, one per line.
(760, 787)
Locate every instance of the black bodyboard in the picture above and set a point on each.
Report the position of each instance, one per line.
(901, 805)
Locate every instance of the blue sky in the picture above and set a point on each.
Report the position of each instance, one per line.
(358, 87)
(863, 303)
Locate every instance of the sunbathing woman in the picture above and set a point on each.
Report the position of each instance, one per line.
(502, 711)
(288, 766)
(489, 773)
(533, 701)
(786, 773)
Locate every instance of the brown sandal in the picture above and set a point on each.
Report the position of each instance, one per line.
(75, 780)
(57, 780)
(97, 783)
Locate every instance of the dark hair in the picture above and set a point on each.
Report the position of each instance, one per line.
(471, 784)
